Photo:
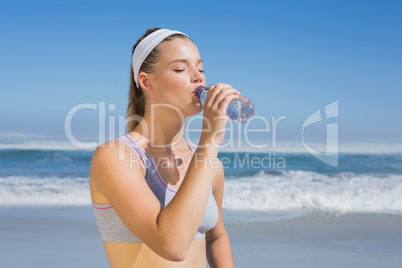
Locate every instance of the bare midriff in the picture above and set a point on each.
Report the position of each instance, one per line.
(133, 255)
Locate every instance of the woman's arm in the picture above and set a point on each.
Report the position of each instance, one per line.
(169, 232)
(117, 174)
(219, 251)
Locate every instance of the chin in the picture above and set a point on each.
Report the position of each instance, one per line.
(193, 110)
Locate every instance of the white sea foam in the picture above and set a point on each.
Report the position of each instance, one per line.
(278, 192)
(21, 190)
(304, 190)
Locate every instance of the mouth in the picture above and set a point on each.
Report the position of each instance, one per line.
(195, 89)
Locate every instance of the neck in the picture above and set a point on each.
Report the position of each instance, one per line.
(163, 128)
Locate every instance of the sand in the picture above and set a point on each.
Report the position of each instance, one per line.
(67, 236)
(319, 240)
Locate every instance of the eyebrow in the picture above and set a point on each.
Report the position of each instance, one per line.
(185, 61)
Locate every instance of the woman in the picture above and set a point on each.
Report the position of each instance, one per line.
(157, 199)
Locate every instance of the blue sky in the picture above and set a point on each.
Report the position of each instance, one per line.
(290, 57)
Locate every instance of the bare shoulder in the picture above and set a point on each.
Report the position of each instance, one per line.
(112, 154)
(117, 178)
(113, 161)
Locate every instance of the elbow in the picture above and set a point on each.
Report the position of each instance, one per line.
(172, 245)
(176, 257)
(174, 251)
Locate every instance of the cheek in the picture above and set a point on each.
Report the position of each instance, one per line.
(170, 88)
(180, 82)
(171, 81)
(177, 89)
(171, 92)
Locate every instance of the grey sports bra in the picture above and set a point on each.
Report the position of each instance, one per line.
(112, 227)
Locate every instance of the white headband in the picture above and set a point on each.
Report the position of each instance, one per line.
(145, 47)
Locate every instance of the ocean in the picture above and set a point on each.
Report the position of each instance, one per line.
(259, 187)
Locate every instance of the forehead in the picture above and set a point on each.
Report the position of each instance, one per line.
(178, 48)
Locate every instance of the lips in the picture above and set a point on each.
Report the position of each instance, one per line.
(193, 93)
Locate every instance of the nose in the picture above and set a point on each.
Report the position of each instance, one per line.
(197, 76)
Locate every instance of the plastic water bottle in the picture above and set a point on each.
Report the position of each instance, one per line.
(239, 110)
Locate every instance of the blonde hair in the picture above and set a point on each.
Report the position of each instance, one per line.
(136, 98)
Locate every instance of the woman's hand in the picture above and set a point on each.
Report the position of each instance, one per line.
(218, 98)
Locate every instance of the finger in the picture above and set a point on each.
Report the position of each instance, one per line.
(214, 90)
(217, 93)
(222, 89)
(225, 88)
(222, 95)
(223, 105)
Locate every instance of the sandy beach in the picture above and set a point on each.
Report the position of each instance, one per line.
(320, 240)
(47, 236)
(67, 236)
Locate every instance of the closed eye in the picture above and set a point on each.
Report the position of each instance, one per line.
(182, 70)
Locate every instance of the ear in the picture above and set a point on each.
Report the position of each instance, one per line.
(145, 81)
